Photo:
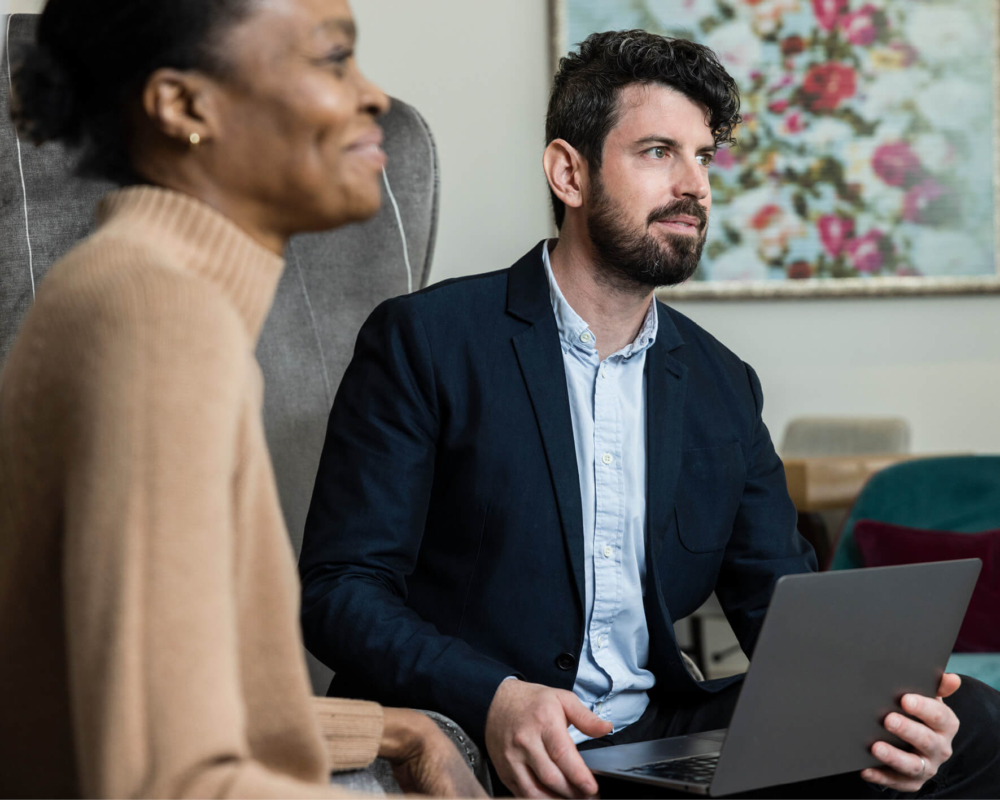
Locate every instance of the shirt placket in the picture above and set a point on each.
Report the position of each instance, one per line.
(609, 522)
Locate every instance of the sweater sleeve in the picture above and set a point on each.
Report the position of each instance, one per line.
(352, 730)
(150, 550)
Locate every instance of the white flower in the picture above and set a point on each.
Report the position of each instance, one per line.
(884, 94)
(934, 151)
(822, 132)
(947, 252)
(738, 48)
(944, 33)
(955, 104)
(738, 264)
(673, 15)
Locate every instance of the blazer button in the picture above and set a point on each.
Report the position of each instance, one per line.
(566, 661)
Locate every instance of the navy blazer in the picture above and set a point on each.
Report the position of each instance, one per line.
(443, 548)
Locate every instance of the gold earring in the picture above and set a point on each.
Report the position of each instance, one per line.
(195, 139)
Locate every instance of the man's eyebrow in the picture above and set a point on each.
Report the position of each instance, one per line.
(342, 25)
(666, 141)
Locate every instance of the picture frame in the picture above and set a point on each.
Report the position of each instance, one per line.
(868, 162)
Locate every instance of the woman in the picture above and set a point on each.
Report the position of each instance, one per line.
(148, 596)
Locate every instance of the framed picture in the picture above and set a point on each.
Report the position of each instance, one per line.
(867, 161)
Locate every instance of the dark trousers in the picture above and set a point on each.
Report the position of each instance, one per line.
(972, 771)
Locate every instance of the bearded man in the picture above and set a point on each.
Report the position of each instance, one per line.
(529, 474)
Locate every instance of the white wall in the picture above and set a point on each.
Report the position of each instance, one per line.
(24, 6)
(478, 71)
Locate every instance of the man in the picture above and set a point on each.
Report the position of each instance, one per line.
(529, 474)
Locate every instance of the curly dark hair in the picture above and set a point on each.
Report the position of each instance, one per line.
(91, 59)
(583, 106)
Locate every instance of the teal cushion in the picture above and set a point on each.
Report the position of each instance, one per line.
(958, 493)
(983, 667)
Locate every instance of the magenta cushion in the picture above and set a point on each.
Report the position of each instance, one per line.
(883, 545)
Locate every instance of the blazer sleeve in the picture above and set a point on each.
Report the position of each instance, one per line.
(364, 530)
(765, 542)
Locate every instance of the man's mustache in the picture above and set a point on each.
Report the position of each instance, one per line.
(687, 207)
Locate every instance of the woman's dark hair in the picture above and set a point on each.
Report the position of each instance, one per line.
(91, 60)
(583, 106)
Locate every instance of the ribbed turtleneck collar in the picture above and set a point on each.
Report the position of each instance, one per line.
(201, 239)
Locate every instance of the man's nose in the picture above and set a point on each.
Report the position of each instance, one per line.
(692, 181)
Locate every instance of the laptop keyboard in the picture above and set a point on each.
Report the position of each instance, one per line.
(697, 769)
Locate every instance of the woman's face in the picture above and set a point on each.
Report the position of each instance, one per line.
(294, 135)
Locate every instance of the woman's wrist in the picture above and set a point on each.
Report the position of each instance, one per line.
(403, 733)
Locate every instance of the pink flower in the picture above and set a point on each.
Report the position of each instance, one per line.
(794, 123)
(834, 232)
(859, 26)
(828, 12)
(897, 164)
(909, 52)
(765, 216)
(778, 106)
(866, 253)
(724, 159)
(828, 84)
(920, 198)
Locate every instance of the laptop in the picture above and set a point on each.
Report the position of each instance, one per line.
(835, 655)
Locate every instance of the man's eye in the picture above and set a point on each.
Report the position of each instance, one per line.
(704, 159)
(659, 152)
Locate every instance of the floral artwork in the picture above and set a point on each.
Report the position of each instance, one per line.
(866, 160)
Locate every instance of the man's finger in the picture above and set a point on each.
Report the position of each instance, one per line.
(567, 758)
(526, 785)
(546, 772)
(926, 741)
(891, 780)
(933, 713)
(950, 683)
(909, 765)
(583, 718)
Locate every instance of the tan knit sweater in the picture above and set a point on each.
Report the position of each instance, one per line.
(149, 632)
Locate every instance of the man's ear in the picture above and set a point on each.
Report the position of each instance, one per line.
(180, 104)
(566, 171)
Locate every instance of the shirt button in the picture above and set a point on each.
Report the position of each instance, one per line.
(586, 338)
(607, 458)
(604, 372)
(608, 551)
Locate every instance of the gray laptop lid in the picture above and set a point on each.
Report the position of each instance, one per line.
(836, 653)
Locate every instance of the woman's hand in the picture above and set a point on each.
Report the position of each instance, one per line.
(423, 758)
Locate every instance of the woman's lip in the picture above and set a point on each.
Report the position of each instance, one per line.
(374, 137)
(371, 152)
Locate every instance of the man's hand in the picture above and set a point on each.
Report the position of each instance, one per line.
(424, 759)
(531, 749)
(931, 739)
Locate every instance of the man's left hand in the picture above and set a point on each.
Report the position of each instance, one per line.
(931, 734)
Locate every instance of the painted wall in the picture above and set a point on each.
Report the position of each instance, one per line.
(478, 71)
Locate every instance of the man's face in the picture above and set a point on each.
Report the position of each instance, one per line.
(647, 209)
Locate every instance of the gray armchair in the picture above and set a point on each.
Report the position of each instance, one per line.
(332, 282)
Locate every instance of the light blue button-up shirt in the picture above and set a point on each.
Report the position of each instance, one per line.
(607, 401)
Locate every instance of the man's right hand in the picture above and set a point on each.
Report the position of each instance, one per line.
(528, 741)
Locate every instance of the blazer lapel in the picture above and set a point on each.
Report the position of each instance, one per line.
(666, 384)
(540, 358)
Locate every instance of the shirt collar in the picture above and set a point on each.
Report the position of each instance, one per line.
(573, 330)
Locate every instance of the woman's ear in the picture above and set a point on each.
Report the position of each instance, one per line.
(181, 105)
(566, 171)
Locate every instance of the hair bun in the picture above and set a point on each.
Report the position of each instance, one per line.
(45, 103)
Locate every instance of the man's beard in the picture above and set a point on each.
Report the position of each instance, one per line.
(634, 260)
